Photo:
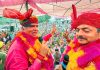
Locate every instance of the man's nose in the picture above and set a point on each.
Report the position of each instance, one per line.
(80, 32)
(35, 28)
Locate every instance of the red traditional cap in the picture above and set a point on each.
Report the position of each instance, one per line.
(24, 19)
(92, 19)
(30, 20)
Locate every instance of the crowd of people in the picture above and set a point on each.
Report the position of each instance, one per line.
(29, 51)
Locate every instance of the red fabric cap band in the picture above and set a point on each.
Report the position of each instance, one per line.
(31, 20)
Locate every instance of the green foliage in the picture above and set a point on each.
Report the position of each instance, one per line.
(4, 21)
(43, 18)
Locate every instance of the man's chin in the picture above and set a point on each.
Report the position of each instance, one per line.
(34, 35)
(83, 42)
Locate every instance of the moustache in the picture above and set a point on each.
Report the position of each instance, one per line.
(81, 37)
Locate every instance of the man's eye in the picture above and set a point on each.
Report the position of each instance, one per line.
(37, 26)
(77, 30)
(86, 30)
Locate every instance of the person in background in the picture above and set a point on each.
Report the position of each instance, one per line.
(57, 56)
(62, 47)
(2, 60)
(1, 44)
(65, 62)
(27, 50)
(56, 47)
(6, 37)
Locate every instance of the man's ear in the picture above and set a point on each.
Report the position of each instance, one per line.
(99, 35)
(23, 27)
(98, 30)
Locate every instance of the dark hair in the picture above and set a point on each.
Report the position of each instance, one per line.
(40, 39)
(66, 59)
(27, 25)
(0, 59)
(56, 49)
(98, 30)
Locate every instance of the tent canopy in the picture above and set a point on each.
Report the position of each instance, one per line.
(60, 8)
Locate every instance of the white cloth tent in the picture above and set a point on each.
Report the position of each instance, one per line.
(60, 8)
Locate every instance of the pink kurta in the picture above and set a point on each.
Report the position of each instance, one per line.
(18, 59)
(91, 56)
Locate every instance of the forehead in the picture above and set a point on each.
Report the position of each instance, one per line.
(34, 24)
(86, 26)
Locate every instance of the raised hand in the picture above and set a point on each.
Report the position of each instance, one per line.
(66, 33)
(53, 29)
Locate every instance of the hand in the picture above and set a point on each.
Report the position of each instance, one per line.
(58, 67)
(53, 29)
(66, 34)
(44, 50)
